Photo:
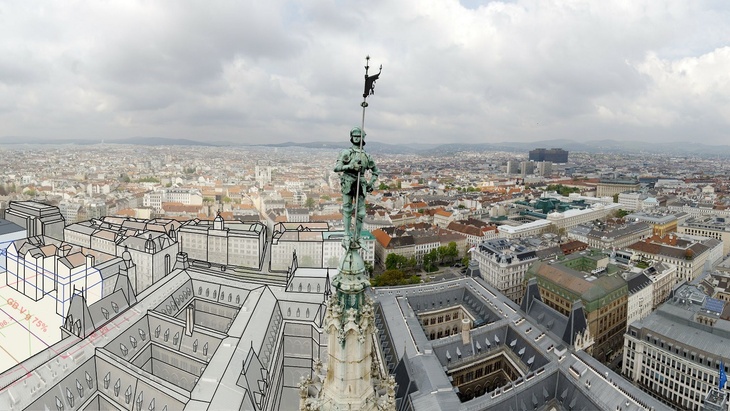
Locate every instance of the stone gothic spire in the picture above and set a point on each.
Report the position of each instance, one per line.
(352, 380)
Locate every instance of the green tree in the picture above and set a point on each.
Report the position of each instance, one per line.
(452, 251)
(430, 261)
(309, 203)
(411, 264)
(441, 254)
(615, 198)
(383, 186)
(561, 189)
(125, 178)
(326, 197)
(395, 261)
(227, 199)
(393, 277)
(621, 213)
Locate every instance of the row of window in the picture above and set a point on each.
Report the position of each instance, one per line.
(486, 370)
(701, 359)
(445, 333)
(440, 319)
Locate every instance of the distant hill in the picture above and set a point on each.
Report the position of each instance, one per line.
(140, 141)
(370, 146)
(159, 141)
(597, 146)
(602, 146)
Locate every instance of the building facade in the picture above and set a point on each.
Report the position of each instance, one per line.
(688, 253)
(503, 264)
(414, 241)
(641, 297)
(571, 218)
(609, 187)
(676, 352)
(555, 155)
(618, 237)
(708, 226)
(37, 218)
(315, 245)
(525, 230)
(662, 224)
(598, 285)
(184, 196)
(224, 243)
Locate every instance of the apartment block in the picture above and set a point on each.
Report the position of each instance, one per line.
(224, 243)
(708, 226)
(675, 353)
(688, 253)
(610, 187)
(183, 196)
(9, 232)
(571, 218)
(608, 237)
(37, 218)
(315, 245)
(414, 241)
(475, 231)
(503, 262)
(524, 230)
(590, 278)
(662, 224)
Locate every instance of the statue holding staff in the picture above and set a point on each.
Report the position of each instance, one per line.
(357, 178)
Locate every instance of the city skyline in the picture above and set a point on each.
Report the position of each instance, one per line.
(205, 276)
(472, 72)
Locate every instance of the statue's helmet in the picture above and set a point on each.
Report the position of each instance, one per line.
(357, 132)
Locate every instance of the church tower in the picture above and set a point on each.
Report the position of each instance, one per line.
(353, 379)
(350, 326)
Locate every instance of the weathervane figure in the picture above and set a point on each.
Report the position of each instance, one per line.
(354, 164)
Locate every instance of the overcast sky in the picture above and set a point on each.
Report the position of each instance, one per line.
(273, 71)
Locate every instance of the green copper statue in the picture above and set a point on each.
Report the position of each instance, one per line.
(354, 163)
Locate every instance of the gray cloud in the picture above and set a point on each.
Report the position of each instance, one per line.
(292, 70)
